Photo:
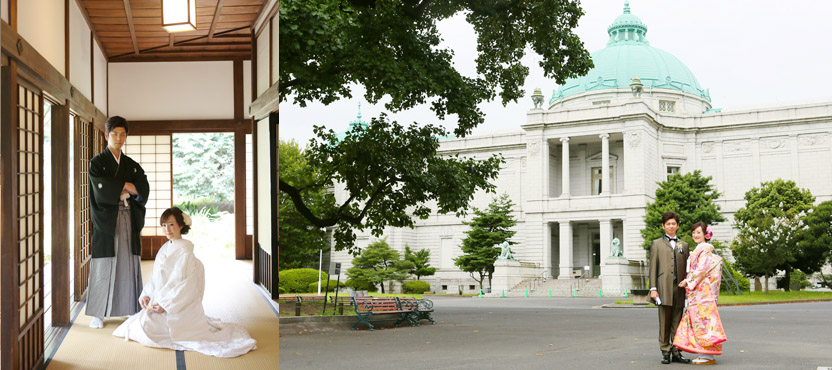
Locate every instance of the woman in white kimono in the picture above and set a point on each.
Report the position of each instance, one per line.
(172, 315)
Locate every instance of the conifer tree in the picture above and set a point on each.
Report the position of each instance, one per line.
(421, 262)
(489, 229)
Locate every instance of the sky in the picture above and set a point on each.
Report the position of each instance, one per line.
(748, 53)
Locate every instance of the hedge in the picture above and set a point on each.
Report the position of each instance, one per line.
(298, 280)
(417, 287)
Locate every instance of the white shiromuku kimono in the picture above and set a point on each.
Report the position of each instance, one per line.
(177, 284)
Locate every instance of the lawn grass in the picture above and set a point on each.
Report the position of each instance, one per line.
(772, 296)
(761, 297)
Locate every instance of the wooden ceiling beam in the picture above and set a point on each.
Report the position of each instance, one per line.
(216, 20)
(130, 24)
(183, 57)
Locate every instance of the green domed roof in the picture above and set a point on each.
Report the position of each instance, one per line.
(628, 55)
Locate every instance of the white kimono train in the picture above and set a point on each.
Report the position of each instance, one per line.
(177, 284)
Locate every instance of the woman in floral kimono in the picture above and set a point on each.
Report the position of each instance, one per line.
(701, 328)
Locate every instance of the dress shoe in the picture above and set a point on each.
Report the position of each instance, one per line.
(665, 357)
(677, 357)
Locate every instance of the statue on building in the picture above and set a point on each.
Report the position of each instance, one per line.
(616, 251)
(537, 98)
(637, 87)
(505, 253)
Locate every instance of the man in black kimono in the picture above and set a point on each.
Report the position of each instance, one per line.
(118, 194)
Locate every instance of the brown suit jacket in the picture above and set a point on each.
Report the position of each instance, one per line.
(661, 268)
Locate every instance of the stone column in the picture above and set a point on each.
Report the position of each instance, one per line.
(565, 171)
(606, 238)
(547, 249)
(605, 166)
(565, 250)
(544, 155)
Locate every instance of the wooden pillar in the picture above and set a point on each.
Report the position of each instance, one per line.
(9, 278)
(61, 192)
(240, 249)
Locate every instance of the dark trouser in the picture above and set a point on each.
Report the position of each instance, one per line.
(669, 318)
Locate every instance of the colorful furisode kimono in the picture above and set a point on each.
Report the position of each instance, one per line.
(701, 328)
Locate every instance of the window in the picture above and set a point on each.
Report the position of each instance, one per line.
(471, 287)
(597, 180)
(444, 287)
(667, 106)
(672, 170)
(153, 153)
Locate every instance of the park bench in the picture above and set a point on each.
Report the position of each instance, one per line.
(422, 308)
(366, 308)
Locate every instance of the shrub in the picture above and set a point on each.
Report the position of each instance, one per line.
(417, 287)
(298, 280)
(745, 285)
(280, 290)
(313, 287)
(361, 285)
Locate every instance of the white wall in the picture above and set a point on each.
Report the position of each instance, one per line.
(100, 70)
(246, 88)
(41, 23)
(4, 13)
(79, 51)
(263, 61)
(172, 90)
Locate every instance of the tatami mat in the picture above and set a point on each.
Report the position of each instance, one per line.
(236, 299)
(229, 296)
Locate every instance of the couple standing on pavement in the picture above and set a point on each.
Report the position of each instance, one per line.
(685, 287)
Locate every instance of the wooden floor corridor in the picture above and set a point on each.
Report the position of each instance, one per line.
(229, 295)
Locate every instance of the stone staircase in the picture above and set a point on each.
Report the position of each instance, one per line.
(558, 287)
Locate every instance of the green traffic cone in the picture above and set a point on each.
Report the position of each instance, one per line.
(527, 292)
(550, 293)
(574, 293)
(625, 293)
(599, 293)
(480, 293)
(504, 294)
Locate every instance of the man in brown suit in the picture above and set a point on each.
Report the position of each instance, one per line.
(668, 261)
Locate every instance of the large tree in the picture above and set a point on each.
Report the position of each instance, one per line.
(489, 228)
(390, 174)
(771, 226)
(300, 240)
(392, 48)
(379, 263)
(692, 196)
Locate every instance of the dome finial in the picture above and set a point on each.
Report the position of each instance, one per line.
(359, 112)
(626, 6)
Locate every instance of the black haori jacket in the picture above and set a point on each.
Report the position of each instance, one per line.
(107, 178)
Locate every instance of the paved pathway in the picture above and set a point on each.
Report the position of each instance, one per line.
(563, 333)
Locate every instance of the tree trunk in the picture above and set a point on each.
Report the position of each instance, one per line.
(788, 278)
(382, 287)
(766, 284)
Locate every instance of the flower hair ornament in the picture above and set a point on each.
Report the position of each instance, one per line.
(709, 233)
(186, 219)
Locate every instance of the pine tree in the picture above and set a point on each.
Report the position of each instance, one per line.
(489, 229)
(379, 263)
(421, 262)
